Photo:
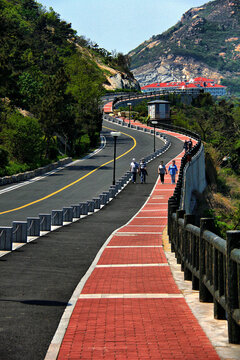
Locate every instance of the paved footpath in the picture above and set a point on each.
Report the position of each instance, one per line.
(129, 306)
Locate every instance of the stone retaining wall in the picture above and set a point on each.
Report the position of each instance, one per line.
(33, 173)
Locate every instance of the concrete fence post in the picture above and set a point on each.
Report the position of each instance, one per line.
(107, 195)
(45, 222)
(129, 175)
(76, 211)
(172, 206)
(178, 249)
(6, 237)
(233, 242)
(119, 184)
(90, 204)
(219, 279)
(122, 181)
(57, 217)
(103, 199)
(96, 203)
(33, 226)
(83, 208)
(112, 191)
(67, 214)
(19, 231)
(204, 294)
(188, 219)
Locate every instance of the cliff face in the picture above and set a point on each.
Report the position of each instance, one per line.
(114, 78)
(205, 42)
(121, 81)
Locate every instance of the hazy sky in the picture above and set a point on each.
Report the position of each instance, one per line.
(120, 25)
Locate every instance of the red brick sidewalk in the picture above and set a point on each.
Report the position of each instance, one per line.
(130, 307)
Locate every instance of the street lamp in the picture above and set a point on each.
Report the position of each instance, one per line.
(129, 105)
(115, 135)
(154, 123)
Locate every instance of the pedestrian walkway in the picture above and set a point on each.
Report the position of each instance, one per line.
(108, 107)
(130, 306)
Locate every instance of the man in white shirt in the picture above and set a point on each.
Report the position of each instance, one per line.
(134, 169)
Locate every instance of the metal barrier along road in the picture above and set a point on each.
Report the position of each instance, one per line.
(212, 264)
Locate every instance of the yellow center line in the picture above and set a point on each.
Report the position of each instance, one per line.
(76, 181)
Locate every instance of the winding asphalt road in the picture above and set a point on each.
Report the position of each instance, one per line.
(79, 181)
(37, 280)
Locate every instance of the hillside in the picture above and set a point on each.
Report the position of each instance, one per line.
(115, 69)
(205, 42)
(57, 79)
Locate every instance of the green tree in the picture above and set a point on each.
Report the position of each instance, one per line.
(85, 86)
(23, 138)
(52, 107)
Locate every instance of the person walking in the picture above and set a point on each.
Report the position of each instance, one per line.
(162, 171)
(185, 146)
(134, 169)
(189, 144)
(189, 157)
(173, 170)
(143, 171)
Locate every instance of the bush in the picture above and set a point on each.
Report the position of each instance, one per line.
(23, 138)
(82, 145)
(3, 158)
(15, 168)
(53, 151)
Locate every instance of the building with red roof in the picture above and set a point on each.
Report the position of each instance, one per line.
(195, 86)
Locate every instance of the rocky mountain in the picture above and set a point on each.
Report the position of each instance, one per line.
(205, 42)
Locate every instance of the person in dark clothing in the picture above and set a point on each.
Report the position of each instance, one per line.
(162, 171)
(185, 146)
(189, 145)
(143, 171)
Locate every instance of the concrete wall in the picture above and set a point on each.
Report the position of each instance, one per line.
(194, 181)
(33, 173)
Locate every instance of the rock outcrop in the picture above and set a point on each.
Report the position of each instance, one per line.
(121, 81)
(115, 79)
(205, 42)
(175, 68)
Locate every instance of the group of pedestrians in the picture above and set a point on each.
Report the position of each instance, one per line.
(141, 169)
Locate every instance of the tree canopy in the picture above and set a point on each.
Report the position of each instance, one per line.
(44, 72)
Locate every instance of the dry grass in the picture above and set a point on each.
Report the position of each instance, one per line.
(221, 199)
(223, 203)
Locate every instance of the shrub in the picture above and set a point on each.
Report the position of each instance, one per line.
(23, 138)
(3, 158)
(82, 145)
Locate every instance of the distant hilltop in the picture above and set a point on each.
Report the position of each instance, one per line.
(197, 85)
(204, 43)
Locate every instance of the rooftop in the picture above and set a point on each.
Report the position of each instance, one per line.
(193, 84)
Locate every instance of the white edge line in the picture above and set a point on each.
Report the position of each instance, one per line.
(132, 296)
(37, 178)
(134, 246)
(132, 265)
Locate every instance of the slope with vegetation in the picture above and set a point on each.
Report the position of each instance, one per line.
(218, 124)
(205, 42)
(58, 79)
